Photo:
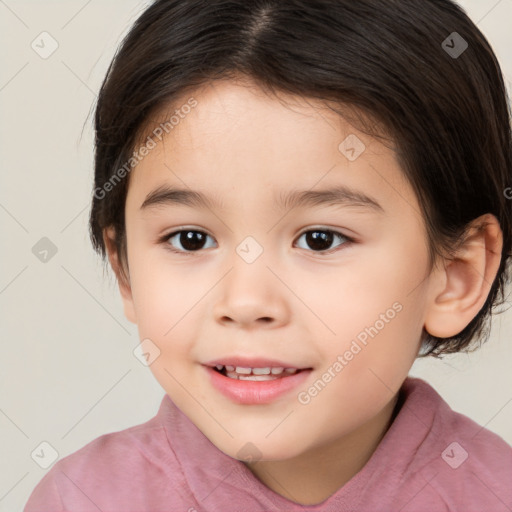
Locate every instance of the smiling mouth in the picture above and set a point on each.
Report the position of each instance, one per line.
(256, 374)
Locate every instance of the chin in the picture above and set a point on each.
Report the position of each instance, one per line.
(259, 450)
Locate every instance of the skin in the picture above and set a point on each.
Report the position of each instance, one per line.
(293, 303)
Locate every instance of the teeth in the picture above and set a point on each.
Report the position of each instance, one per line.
(261, 371)
(246, 373)
(237, 376)
(257, 377)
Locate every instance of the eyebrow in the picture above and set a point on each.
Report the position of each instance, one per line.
(340, 195)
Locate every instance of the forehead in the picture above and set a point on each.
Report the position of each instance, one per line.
(240, 144)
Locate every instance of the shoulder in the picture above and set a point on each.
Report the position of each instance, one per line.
(132, 445)
(465, 440)
(464, 463)
(476, 462)
(119, 469)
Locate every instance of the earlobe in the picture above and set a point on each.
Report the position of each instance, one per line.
(122, 276)
(465, 282)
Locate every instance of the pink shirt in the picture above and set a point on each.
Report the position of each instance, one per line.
(431, 459)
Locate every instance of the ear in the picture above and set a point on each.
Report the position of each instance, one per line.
(123, 278)
(462, 286)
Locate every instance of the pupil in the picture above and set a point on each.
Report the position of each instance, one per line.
(189, 240)
(319, 240)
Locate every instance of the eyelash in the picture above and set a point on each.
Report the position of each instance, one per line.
(165, 240)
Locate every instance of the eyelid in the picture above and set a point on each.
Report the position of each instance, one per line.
(338, 231)
(178, 229)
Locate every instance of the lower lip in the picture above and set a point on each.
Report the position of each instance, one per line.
(250, 392)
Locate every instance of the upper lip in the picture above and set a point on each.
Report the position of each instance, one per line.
(252, 362)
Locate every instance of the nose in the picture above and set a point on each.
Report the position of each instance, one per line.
(251, 296)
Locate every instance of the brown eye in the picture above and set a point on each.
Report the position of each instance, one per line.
(320, 240)
(189, 240)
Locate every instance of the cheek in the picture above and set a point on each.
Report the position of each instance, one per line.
(354, 295)
(376, 310)
(165, 314)
(366, 373)
(162, 297)
(170, 298)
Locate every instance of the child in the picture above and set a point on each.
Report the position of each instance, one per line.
(345, 169)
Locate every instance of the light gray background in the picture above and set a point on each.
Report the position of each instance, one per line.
(68, 374)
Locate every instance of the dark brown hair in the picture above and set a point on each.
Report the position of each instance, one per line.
(440, 97)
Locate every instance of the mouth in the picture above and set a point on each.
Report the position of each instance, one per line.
(255, 381)
(256, 374)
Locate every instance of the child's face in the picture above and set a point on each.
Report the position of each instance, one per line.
(353, 316)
